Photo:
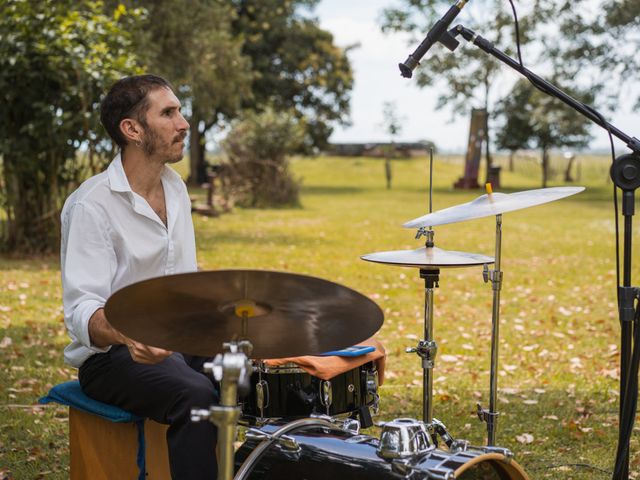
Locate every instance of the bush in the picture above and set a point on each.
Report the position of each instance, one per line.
(257, 170)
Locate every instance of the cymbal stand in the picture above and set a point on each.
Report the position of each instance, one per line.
(490, 416)
(427, 348)
(233, 368)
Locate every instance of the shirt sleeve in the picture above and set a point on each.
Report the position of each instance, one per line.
(88, 265)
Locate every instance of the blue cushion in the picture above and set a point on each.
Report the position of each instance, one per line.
(71, 394)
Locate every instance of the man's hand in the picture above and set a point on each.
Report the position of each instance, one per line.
(102, 334)
(145, 354)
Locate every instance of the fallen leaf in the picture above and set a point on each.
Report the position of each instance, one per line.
(524, 438)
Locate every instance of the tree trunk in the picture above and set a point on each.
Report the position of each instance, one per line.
(32, 212)
(567, 172)
(512, 154)
(545, 166)
(197, 148)
(487, 146)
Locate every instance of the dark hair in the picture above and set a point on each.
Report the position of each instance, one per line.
(128, 98)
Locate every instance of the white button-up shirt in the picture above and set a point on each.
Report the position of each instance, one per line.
(111, 238)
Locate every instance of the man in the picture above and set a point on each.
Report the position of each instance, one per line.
(127, 224)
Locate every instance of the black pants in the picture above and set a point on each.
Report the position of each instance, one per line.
(165, 392)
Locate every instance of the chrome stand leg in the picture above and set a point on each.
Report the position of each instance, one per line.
(233, 368)
(427, 348)
(491, 416)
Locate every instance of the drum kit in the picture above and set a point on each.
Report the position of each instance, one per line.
(300, 426)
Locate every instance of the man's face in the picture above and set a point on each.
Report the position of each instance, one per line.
(164, 127)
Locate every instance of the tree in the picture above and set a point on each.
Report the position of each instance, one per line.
(198, 52)
(541, 121)
(257, 170)
(603, 45)
(469, 73)
(296, 65)
(56, 58)
(393, 125)
(516, 131)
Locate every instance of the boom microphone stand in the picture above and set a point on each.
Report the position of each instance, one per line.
(625, 173)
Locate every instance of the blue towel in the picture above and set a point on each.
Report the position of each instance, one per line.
(354, 351)
(71, 394)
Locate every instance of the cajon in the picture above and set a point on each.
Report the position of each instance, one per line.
(106, 442)
(105, 450)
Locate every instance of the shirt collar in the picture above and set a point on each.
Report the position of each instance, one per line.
(117, 178)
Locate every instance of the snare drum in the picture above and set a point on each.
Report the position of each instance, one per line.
(287, 391)
(314, 449)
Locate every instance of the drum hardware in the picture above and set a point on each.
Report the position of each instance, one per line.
(488, 205)
(495, 276)
(267, 439)
(351, 425)
(429, 259)
(232, 369)
(262, 396)
(404, 437)
(288, 391)
(326, 395)
(325, 449)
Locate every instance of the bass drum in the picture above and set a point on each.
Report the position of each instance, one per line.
(315, 449)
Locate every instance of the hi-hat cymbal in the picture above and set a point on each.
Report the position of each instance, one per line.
(289, 315)
(492, 204)
(428, 258)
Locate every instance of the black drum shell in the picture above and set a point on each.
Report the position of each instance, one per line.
(325, 454)
(297, 395)
(330, 453)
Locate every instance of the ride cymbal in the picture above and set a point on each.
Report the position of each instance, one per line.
(288, 315)
(428, 258)
(492, 204)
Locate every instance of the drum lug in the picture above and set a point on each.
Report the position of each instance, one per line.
(351, 425)
(256, 434)
(288, 443)
(326, 394)
(262, 396)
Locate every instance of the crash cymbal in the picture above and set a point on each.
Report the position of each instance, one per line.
(492, 204)
(428, 258)
(288, 314)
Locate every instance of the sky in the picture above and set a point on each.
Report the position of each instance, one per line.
(378, 80)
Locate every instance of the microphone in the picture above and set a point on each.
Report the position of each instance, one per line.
(437, 33)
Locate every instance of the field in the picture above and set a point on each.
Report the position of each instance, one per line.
(559, 347)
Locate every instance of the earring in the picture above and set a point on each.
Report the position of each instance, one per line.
(138, 143)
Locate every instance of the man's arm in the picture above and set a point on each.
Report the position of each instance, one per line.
(102, 334)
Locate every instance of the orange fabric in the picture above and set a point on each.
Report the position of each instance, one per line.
(328, 367)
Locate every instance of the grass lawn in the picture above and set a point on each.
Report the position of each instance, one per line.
(559, 347)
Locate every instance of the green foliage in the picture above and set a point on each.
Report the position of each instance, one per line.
(469, 72)
(296, 65)
(533, 119)
(601, 43)
(257, 147)
(191, 43)
(56, 59)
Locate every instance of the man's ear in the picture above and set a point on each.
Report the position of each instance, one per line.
(132, 130)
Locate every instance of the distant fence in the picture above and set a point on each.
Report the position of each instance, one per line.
(396, 149)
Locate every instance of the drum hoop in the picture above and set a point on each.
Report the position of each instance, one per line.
(512, 467)
(257, 452)
(289, 367)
